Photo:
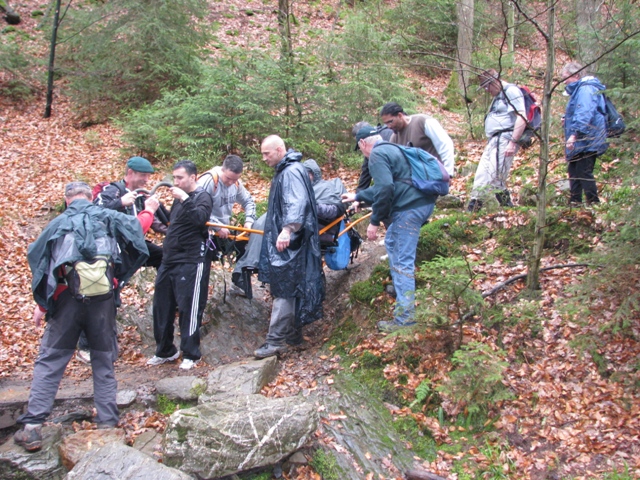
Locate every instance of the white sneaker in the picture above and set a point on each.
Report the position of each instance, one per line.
(84, 356)
(188, 364)
(155, 360)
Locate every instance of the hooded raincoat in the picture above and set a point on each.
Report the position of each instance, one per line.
(82, 231)
(585, 118)
(296, 271)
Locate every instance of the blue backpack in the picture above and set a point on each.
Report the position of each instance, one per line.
(427, 172)
(337, 256)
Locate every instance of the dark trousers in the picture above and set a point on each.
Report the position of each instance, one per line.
(97, 320)
(183, 287)
(581, 178)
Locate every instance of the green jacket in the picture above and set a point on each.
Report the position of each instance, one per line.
(84, 230)
(389, 194)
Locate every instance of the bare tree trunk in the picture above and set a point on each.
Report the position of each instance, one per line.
(533, 276)
(509, 11)
(286, 55)
(587, 20)
(465, 41)
(52, 56)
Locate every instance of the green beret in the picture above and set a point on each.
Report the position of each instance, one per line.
(139, 164)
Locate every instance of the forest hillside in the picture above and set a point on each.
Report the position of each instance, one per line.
(497, 380)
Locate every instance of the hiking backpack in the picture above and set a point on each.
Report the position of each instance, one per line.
(534, 118)
(99, 187)
(345, 248)
(88, 278)
(337, 256)
(427, 172)
(614, 121)
(215, 178)
(384, 131)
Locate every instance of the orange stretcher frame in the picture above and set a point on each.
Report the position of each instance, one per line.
(245, 231)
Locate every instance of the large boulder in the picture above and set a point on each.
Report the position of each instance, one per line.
(116, 461)
(240, 378)
(236, 434)
(18, 464)
(74, 447)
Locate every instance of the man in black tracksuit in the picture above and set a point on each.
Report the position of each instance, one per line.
(183, 276)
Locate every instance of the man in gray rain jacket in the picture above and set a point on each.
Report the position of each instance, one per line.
(290, 259)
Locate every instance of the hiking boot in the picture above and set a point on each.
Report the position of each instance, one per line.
(84, 356)
(474, 205)
(393, 326)
(155, 360)
(30, 437)
(268, 350)
(504, 198)
(188, 364)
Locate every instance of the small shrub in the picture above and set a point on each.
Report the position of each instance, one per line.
(423, 392)
(447, 292)
(476, 383)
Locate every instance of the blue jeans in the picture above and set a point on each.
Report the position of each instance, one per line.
(401, 242)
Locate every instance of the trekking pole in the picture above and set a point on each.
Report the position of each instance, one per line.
(335, 222)
(354, 223)
(237, 238)
(233, 227)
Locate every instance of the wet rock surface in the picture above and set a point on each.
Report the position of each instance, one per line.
(364, 429)
(116, 461)
(236, 434)
(73, 447)
(186, 389)
(18, 464)
(240, 378)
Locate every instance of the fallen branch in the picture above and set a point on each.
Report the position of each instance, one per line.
(521, 276)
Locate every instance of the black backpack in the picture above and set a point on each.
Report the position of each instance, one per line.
(614, 121)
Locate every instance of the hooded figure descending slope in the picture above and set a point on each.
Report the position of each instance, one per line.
(585, 131)
(328, 195)
(295, 271)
